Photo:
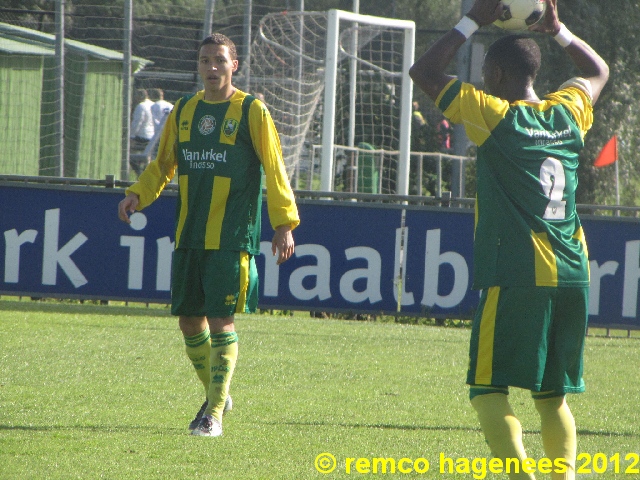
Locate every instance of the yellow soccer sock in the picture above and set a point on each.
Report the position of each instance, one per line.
(198, 348)
(502, 431)
(224, 354)
(558, 430)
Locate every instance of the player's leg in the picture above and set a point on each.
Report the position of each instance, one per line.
(230, 283)
(558, 431)
(197, 340)
(501, 428)
(508, 334)
(223, 358)
(563, 374)
(187, 302)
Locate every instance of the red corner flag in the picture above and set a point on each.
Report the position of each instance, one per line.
(608, 154)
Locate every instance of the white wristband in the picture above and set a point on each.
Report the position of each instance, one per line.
(466, 26)
(564, 37)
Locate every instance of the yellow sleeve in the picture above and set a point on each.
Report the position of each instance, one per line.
(281, 203)
(160, 171)
(575, 95)
(478, 112)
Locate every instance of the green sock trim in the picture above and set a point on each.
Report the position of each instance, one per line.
(196, 340)
(477, 390)
(223, 339)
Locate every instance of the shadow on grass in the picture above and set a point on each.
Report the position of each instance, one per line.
(594, 433)
(605, 433)
(91, 428)
(387, 426)
(90, 309)
(377, 426)
(383, 426)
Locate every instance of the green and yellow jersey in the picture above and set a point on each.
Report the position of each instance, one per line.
(220, 151)
(527, 230)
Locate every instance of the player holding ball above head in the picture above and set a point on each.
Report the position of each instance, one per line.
(530, 254)
(219, 141)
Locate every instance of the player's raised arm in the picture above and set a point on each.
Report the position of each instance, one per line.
(428, 72)
(592, 67)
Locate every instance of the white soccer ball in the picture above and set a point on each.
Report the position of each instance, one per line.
(521, 14)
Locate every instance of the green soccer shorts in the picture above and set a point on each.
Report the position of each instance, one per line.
(530, 337)
(213, 283)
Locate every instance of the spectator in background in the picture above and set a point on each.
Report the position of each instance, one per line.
(142, 128)
(160, 109)
(444, 135)
(417, 119)
(419, 127)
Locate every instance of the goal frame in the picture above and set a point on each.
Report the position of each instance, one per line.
(334, 17)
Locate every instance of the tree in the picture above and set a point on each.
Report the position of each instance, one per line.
(166, 29)
(614, 113)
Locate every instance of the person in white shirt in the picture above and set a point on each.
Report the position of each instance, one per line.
(160, 109)
(142, 127)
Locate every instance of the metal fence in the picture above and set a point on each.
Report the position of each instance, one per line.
(67, 111)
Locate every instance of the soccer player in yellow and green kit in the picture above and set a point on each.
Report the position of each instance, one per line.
(530, 254)
(220, 141)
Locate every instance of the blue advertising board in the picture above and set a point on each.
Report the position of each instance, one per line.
(67, 242)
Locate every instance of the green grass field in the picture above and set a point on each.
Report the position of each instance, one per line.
(91, 391)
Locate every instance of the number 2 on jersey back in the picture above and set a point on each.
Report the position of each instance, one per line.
(552, 180)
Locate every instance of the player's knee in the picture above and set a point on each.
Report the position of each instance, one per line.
(221, 324)
(191, 325)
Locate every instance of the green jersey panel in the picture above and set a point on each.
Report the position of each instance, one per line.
(527, 229)
(219, 174)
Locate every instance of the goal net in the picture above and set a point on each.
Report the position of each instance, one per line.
(337, 86)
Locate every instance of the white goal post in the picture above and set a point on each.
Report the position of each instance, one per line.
(329, 110)
(337, 84)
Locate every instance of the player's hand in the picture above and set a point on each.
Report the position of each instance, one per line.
(485, 12)
(550, 23)
(282, 243)
(126, 206)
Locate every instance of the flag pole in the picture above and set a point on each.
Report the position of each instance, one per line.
(607, 156)
(617, 188)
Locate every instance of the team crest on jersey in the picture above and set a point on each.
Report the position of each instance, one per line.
(230, 126)
(206, 125)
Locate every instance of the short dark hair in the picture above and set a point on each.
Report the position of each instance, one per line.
(156, 94)
(141, 93)
(518, 55)
(220, 39)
